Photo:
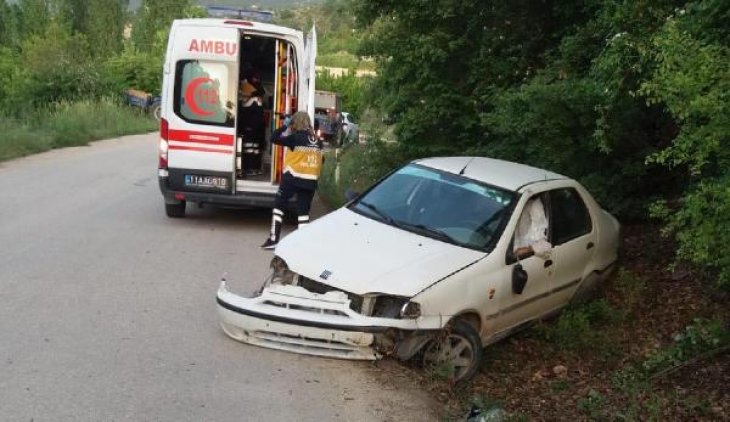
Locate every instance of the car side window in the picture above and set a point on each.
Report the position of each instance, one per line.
(569, 215)
(531, 234)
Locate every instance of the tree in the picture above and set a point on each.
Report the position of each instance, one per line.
(155, 16)
(6, 24)
(692, 80)
(33, 18)
(56, 66)
(628, 97)
(105, 26)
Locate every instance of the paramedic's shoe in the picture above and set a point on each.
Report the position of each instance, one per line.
(269, 244)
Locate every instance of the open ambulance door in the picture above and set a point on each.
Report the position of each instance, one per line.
(202, 122)
(308, 71)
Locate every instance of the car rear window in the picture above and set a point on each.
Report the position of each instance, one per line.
(570, 217)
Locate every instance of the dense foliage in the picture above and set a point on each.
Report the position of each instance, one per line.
(65, 63)
(338, 37)
(630, 97)
(58, 50)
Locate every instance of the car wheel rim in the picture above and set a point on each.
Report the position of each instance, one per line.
(453, 351)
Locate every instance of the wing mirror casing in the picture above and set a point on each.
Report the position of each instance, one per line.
(519, 279)
(351, 194)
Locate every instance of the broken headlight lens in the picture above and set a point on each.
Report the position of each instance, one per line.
(395, 307)
(411, 310)
(280, 274)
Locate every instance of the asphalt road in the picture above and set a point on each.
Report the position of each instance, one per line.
(107, 307)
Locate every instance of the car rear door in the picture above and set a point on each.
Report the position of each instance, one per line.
(201, 145)
(573, 237)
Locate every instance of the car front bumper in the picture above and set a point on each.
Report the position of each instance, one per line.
(291, 318)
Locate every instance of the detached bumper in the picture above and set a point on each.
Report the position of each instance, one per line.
(293, 319)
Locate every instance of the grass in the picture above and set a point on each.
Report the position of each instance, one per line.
(582, 329)
(69, 124)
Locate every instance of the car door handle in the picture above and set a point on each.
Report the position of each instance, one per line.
(589, 245)
(548, 263)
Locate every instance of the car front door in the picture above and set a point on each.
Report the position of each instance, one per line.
(518, 307)
(573, 237)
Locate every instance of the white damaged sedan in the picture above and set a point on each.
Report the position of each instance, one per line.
(437, 260)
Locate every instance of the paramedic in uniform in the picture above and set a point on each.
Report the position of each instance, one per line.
(252, 122)
(302, 165)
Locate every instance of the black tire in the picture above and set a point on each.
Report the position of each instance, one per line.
(175, 210)
(463, 353)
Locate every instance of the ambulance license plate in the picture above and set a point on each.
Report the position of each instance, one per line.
(199, 181)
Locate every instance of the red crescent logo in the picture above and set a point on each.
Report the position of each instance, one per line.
(190, 92)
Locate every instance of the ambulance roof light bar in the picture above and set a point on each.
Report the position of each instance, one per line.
(242, 23)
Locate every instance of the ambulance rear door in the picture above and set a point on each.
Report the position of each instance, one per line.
(202, 119)
(308, 73)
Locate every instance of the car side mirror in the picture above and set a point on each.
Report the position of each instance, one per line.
(519, 279)
(351, 194)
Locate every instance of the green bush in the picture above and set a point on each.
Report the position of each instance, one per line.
(134, 69)
(630, 287)
(580, 329)
(700, 337)
(56, 66)
(69, 124)
(634, 383)
(692, 81)
(351, 168)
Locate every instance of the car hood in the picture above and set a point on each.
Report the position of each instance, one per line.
(360, 255)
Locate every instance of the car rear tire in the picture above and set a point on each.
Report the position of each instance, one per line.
(175, 210)
(456, 353)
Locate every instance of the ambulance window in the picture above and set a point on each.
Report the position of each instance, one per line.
(205, 92)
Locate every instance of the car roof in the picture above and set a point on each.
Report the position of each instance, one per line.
(500, 173)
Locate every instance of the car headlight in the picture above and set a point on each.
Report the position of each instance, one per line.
(410, 310)
(395, 307)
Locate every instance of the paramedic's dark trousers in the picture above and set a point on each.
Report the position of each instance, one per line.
(304, 203)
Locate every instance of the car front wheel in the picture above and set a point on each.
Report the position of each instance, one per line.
(175, 210)
(455, 353)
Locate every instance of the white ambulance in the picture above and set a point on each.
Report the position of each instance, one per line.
(215, 128)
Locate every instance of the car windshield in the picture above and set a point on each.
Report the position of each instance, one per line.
(437, 204)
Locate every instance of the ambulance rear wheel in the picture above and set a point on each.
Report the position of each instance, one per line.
(175, 210)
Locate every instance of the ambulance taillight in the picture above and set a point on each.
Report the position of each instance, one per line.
(164, 129)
